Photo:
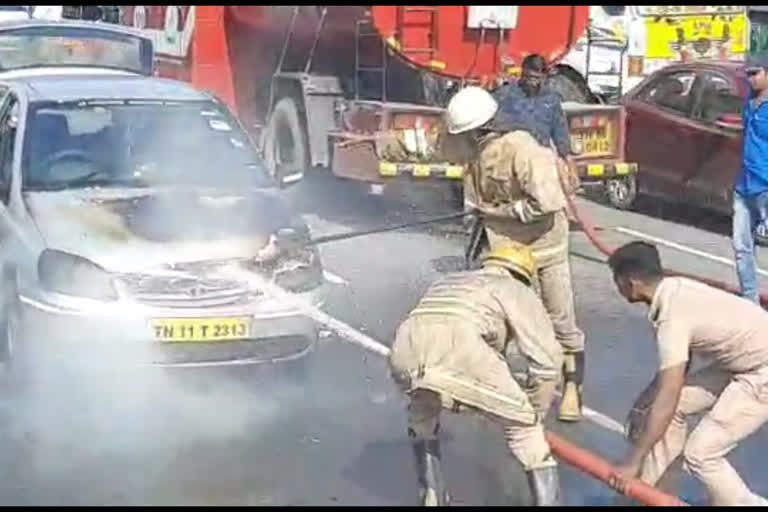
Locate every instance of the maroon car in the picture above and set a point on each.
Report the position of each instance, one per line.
(684, 130)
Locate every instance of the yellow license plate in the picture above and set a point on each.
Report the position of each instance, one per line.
(597, 142)
(201, 329)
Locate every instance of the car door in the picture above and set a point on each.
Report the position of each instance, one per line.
(717, 152)
(14, 243)
(7, 141)
(657, 128)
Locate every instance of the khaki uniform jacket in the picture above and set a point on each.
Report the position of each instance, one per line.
(459, 338)
(515, 182)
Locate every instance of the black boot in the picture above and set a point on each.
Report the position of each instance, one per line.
(573, 379)
(545, 486)
(433, 490)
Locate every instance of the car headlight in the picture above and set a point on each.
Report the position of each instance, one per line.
(293, 265)
(70, 274)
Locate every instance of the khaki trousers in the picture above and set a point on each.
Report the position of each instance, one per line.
(525, 442)
(736, 406)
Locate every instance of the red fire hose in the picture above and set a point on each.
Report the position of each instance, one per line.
(590, 231)
(602, 470)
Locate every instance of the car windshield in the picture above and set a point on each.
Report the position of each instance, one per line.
(57, 46)
(137, 144)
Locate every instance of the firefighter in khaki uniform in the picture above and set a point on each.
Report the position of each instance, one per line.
(481, 340)
(514, 182)
(693, 318)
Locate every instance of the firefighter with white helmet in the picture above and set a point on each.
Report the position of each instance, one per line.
(481, 341)
(513, 181)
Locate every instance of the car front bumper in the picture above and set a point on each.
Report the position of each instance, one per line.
(64, 326)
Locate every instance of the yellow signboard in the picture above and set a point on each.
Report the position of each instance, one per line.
(703, 36)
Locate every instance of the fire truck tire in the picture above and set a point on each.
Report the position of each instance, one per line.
(285, 143)
(570, 87)
(622, 192)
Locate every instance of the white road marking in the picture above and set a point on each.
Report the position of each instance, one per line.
(345, 331)
(351, 334)
(680, 247)
(603, 420)
(333, 278)
(292, 178)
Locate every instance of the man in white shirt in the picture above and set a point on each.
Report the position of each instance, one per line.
(693, 318)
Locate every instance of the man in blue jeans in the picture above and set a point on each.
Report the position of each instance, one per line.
(750, 198)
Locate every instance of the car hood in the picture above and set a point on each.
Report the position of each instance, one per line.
(126, 230)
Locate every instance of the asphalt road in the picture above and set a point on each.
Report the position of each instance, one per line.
(263, 436)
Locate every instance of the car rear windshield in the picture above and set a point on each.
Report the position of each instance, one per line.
(137, 143)
(60, 46)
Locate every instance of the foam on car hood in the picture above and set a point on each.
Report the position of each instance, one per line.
(136, 229)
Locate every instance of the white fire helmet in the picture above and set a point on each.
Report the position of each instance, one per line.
(470, 108)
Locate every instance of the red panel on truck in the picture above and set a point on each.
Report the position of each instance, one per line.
(447, 38)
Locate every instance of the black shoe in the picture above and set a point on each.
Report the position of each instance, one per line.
(545, 486)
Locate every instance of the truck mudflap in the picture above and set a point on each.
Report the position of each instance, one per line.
(440, 171)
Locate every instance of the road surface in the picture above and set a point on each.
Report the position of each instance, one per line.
(264, 436)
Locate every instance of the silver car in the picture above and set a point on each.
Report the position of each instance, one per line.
(123, 202)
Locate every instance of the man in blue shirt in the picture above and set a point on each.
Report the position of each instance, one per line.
(531, 106)
(750, 198)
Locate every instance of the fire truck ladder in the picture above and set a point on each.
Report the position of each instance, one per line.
(364, 29)
(403, 22)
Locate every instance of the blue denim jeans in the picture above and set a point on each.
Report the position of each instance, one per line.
(748, 213)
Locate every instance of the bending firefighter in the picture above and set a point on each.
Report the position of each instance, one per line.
(513, 182)
(481, 340)
(690, 319)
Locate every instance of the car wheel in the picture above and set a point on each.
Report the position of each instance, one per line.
(285, 147)
(622, 192)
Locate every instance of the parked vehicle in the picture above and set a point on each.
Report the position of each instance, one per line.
(357, 89)
(684, 130)
(115, 228)
(34, 47)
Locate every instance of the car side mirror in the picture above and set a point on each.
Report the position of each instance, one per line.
(730, 122)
